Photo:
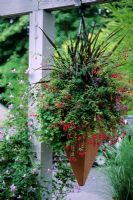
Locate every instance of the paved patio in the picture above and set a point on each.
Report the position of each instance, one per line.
(96, 188)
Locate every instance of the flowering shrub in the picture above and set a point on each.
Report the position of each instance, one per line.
(18, 177)
(85, 98)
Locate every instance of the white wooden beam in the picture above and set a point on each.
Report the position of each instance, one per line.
(58, 4)
(16, 7)
(19, 7)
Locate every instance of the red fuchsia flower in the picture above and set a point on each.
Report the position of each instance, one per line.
(90, 141)
(121, 90)
(113, 141)
(46, 86)
(79, 138)
(114, 76)
(72, 159)
(122, 121)
(96, 71)
(118, 99)
(67, 147)
(99, 118)
(59, 105)
(66, 127)
(61, 122)
(68, 97)
(123, 135)
(103, 136)
(81, 153)
(121, 107)
(94, 137)
(70, 135)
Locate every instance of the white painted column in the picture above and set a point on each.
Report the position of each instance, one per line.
(39, 53)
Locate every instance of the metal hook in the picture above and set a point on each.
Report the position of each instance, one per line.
(77, 3)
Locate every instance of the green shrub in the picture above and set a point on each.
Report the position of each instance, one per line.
(120, 171)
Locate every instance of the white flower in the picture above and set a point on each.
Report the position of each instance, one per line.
(9, 84)
(21, 82)
(19, 197)
(100, 160)
(30, 138)
(118, 143)
(7, 172)
(13, 188)
(125, 121)
(35, 171)
(33, 189)
(21, 106)
(27, 71)
(14, 70)
(10, 107)
(24, 175)
(11, 96)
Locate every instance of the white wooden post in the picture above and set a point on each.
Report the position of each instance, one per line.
(39, 51)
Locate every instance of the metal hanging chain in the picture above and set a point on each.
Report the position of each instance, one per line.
(82, 25)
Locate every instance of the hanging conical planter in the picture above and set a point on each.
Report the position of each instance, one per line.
(83, 94)
(82, 155)
(83, 162)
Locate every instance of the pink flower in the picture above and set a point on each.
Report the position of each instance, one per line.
(13, 188)
(30, 123)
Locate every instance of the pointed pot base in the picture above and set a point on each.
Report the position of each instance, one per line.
(83, 164)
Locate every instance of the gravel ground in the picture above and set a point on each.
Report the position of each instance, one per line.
(96, 187)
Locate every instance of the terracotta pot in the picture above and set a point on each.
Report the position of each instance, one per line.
(83, 163)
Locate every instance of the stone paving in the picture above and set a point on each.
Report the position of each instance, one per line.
(3, 114)
(96, 188)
